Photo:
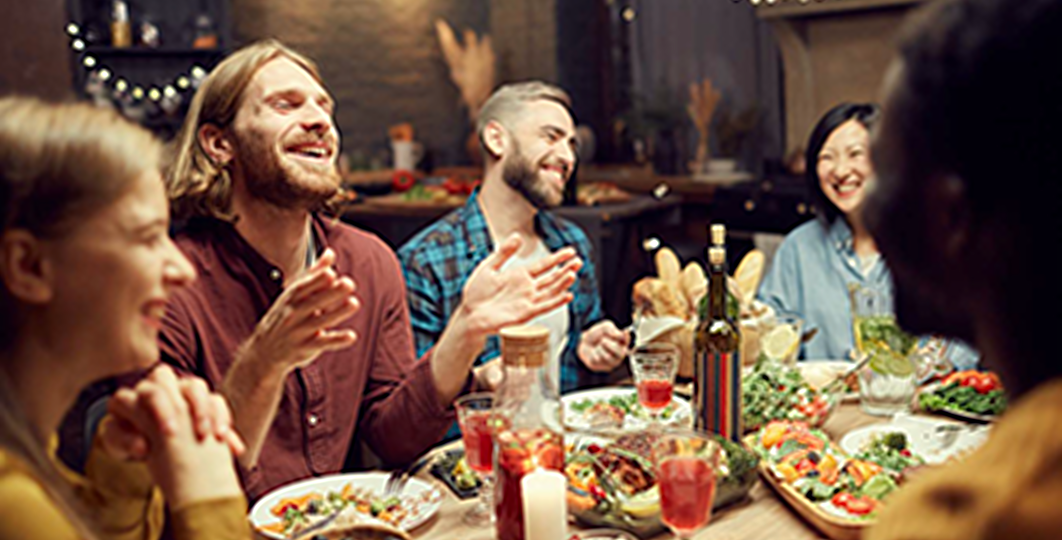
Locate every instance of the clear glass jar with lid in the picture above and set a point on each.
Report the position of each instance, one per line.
(527, 423)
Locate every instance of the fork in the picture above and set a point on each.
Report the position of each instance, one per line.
(316, 526)
(398, 478)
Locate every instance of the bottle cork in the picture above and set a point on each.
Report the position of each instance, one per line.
(718, 234)
(716, 255)
(525, 346)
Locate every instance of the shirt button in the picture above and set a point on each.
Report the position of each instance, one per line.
(274, 274)
(313, 420)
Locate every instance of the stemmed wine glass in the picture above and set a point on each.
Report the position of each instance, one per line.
(653, 366)
(474, 417)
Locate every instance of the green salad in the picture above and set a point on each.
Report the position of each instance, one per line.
(891, 451)
(956, 397)
(773, 391)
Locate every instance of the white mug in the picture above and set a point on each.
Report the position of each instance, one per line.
(406, 154)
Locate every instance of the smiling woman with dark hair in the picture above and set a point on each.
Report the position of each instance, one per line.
(814, 267)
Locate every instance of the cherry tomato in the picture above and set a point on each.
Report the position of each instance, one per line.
(905, 453)
(842, 499)
(861, 506)
(402, 180)
(984, 384)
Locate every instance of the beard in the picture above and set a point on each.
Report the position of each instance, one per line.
(279, 181)
(523, 176)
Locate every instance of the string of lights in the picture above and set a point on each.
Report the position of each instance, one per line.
(124, 85)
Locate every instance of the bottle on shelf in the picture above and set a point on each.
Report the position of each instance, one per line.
(717, 362)
(528, 438)
(206, 37)
(121, 30)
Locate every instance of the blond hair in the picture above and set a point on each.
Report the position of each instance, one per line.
(59, 164)
(507, 103)
(196, 184)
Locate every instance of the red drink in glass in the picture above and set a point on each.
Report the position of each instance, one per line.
(519, 452)
(687, 489)
(655, 394)
(479, 445)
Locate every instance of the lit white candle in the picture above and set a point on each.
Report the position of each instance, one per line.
(545, 511)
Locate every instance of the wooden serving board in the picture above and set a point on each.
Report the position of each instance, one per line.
(833, 527)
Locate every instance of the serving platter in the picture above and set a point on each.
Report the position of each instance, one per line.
(834, 527)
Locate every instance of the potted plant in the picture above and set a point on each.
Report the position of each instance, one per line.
(732, 129)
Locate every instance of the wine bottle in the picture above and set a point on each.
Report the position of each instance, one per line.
(717, 366)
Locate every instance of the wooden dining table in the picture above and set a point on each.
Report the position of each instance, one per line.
(763, 516)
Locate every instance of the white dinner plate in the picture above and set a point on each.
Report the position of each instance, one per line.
(421, 498)
(682, 415)
(923, 437)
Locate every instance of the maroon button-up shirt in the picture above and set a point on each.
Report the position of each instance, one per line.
(376, 388)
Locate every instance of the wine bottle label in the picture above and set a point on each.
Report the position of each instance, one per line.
(717, 393)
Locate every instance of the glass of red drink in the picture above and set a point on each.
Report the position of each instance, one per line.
(653, 366)
(474, 415)
(687, 464)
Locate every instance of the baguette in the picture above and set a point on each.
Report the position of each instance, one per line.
(748, 274)
(694, 286)
(668, 267)
(654, 297)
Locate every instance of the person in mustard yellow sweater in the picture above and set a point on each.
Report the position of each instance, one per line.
(87, 265)
(967, 210)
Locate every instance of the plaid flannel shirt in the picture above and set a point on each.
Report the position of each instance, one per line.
(438, 260)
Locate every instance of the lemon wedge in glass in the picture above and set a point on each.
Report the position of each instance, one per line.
(780, 342)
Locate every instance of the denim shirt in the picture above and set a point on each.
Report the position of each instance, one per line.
(809, 277)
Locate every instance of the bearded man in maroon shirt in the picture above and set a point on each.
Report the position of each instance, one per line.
(299, 320)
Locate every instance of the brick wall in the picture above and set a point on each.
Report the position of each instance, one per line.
(525, 38)
(34, 57)
(381, 60)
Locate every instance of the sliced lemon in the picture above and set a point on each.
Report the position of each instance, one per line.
(891, 364)
(781, 342)
(644, 504)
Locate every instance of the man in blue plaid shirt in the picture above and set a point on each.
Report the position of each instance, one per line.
(527, 135)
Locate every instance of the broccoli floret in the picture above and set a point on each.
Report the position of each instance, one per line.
(895, 440)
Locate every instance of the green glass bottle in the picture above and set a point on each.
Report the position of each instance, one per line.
(717, 366)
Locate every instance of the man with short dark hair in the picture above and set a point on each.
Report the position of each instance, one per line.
(527, 136)
(299, 320)
(967, 209)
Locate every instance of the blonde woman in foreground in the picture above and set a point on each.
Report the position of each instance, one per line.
(87, 266)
